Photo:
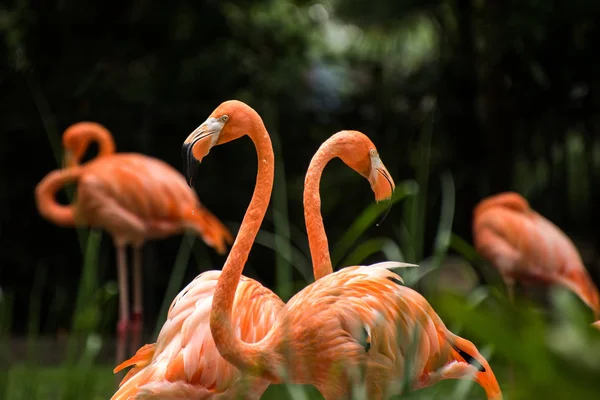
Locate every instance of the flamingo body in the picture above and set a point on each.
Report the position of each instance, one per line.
(131, 196)
(184, 362)
(527, 247)
(335, 321)
(356, 150)
(137, 198)
(364, 316)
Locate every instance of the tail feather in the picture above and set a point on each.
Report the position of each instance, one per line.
(136, 376)
(579, 281)
(465, 351)
(211, 229)
(141, 358)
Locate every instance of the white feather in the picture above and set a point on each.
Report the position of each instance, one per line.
(392, 265)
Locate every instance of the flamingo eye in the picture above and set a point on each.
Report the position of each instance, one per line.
(225, 118)
(373, 152)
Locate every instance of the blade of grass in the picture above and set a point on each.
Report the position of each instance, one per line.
(444, 231)
(6, 313)
(283, 247)
(296, 392)
(53, 137)
(462, 247)
(295, 257)
(415, 207)
(465, 249)
(176, 279)
(298, 236)
(367, 218)
(371, 246)
(80, 323)
(35, 303)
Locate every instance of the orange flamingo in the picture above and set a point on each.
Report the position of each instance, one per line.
(134, 198)
(158, 367)
(527, 247)
(596, 324)
(352, 147)
(358, 316)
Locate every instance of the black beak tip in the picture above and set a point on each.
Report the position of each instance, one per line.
(184, 151)
(189, 163)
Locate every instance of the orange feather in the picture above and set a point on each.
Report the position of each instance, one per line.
(134, 198)
(525, 246)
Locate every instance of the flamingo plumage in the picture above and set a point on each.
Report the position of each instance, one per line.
(184, 361)
(358, 316)
(524, 246)
(133, 197)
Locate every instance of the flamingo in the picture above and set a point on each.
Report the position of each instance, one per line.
(357, 316)
(352, 147)
(134, 198)
(525, 246)
(159, 368)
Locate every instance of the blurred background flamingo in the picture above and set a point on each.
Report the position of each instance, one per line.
(527, 248)
(133, 197)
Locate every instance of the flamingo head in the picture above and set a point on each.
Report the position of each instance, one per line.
(358, 152)
(78, 137)
(231, 120)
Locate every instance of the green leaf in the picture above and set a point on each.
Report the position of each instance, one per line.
(367, 218)
(444, 231)
(372, 246)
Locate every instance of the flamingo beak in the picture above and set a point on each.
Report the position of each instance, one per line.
(380, 179)
(197, 145)
(382, 183)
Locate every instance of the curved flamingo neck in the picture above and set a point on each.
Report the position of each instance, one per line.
(45, 193)
(96, 133)
(317, 239)
(244, 356)
(105, 141)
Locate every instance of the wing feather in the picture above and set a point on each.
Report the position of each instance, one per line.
(372, 296)
(185, 353)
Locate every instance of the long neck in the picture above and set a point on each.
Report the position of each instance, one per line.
(106, 143)
(317, 239)
(102, 137)
(45, 193)
(244, 356)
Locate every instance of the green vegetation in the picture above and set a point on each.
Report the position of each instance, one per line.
(535, 353)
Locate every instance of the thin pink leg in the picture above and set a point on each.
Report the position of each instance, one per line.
(123, 323)
(138, 300)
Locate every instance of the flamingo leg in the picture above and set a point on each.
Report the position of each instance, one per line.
(123, 323)
(137, 317)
